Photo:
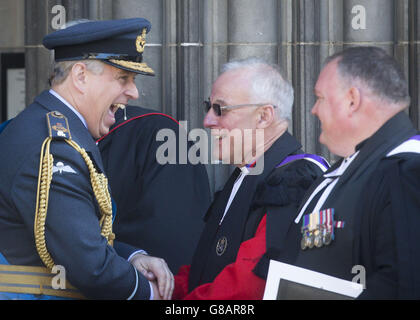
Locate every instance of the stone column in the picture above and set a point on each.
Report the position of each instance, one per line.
(414, 61)
(38, 60)
(11, 41)
(191, 39)
(150, 88)
(305, 62)
(331, 33)
(369, 22)
(215, 53)
(43, 17)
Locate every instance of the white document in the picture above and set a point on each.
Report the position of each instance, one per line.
(334, 288)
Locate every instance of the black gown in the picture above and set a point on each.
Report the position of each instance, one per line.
(377, 235)
(159, 207)
(277, 191)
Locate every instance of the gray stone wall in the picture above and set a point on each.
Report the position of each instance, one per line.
(191, 39)
(11, 33)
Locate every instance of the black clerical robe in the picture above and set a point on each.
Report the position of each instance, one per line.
(159, 207)
(372, 236)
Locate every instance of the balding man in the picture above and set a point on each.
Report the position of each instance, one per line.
(362, 216)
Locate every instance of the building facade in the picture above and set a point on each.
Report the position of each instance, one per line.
(191, 39)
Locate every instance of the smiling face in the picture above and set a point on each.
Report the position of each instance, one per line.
(103, 92)
(233, 129)
(332, 111)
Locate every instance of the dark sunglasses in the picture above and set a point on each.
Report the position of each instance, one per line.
(220, 110)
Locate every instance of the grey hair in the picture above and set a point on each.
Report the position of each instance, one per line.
(376, 70)
(62, 69)
(268, 85)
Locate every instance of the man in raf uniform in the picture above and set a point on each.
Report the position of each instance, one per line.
(55, 205)
(248, 113)
(364, 211)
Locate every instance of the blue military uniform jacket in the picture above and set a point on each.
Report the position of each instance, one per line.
(72, 229)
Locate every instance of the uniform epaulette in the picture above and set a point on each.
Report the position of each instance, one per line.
(58, 129)
(58, 126)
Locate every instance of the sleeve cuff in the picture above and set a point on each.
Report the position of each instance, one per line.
(142, 289)
(125, 250)
(134, 253)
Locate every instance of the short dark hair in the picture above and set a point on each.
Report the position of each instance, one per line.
(379, 71)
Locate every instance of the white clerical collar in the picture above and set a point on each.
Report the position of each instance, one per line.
(55, 94)
(343, 166)
(327, 185)
(244, 170)
(236, 186)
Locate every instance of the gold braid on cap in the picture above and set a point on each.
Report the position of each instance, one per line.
(100, 188)
(139, 66)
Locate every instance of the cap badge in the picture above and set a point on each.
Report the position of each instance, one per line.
(141, 41)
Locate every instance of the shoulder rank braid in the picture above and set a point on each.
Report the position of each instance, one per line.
(59, 130)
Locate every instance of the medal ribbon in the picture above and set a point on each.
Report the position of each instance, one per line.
(323, 221)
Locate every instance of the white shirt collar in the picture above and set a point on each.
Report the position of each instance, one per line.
(55, 94)
(343, 166)
(236, 186)
(327, 185)
(244, 170)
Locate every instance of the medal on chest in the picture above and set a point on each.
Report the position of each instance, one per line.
(318, 229)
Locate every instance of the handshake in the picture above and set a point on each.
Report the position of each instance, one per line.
(157, 272)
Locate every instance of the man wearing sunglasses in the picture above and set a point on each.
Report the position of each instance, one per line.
(248, 113)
